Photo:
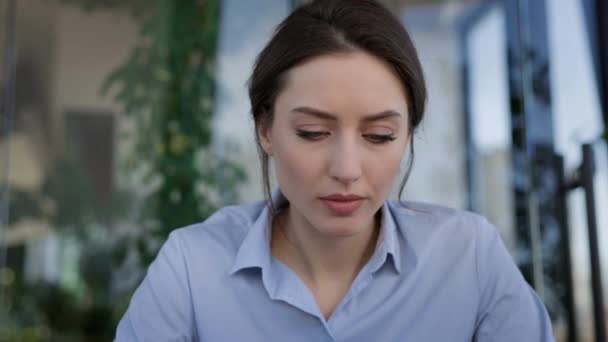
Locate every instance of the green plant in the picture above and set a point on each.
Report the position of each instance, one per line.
(167, 88)
(41, 311)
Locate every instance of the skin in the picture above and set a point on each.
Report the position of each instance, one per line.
(340, 126)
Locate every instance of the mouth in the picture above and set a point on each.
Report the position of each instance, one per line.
(342, 204)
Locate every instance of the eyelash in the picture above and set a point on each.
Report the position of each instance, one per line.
(373, 138)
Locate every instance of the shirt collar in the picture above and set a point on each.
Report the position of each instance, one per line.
(254, 251)
(255, 248)
(388, 241)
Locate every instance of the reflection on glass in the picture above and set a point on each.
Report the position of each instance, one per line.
(577, 121)
(490, 121)
(439, 173)
(111, 150)
(97, 181)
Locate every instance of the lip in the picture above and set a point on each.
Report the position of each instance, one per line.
(342, 204)
(342, 197)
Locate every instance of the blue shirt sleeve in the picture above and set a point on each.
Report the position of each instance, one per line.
(509, 309)
(161, 307)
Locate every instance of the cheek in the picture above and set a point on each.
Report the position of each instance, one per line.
(383, 168)
(295, 163)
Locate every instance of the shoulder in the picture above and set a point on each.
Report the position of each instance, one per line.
(432, 217)
(223, 231)
(429, 228)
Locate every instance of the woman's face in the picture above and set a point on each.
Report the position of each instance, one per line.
(339, 132)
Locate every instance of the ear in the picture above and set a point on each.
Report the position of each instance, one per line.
(265, 138)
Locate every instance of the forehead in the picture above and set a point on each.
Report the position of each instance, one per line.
(355, 82)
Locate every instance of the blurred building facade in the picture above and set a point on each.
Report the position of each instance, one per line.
(464, 148)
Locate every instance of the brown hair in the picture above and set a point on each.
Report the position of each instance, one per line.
(335, 26)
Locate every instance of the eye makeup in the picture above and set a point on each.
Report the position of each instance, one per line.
(311, 135)
(319, 135)
(379, 138)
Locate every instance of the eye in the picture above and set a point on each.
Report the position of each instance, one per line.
(312, 135)
(379, 138)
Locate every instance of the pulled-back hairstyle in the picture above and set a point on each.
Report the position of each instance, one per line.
(324, 27)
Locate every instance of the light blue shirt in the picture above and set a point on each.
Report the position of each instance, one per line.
(437, 274)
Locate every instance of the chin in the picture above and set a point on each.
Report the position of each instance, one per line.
(341, 226)
(338, 232)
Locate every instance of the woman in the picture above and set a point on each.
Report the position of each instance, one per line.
(336, 96)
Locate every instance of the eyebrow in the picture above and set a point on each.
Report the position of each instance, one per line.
(328, 116)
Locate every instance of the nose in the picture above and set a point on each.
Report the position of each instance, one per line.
(345, 162)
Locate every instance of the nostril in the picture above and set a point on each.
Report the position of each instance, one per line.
(346, 176)
(345, 165)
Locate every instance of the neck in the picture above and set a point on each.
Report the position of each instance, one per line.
(317, 257)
